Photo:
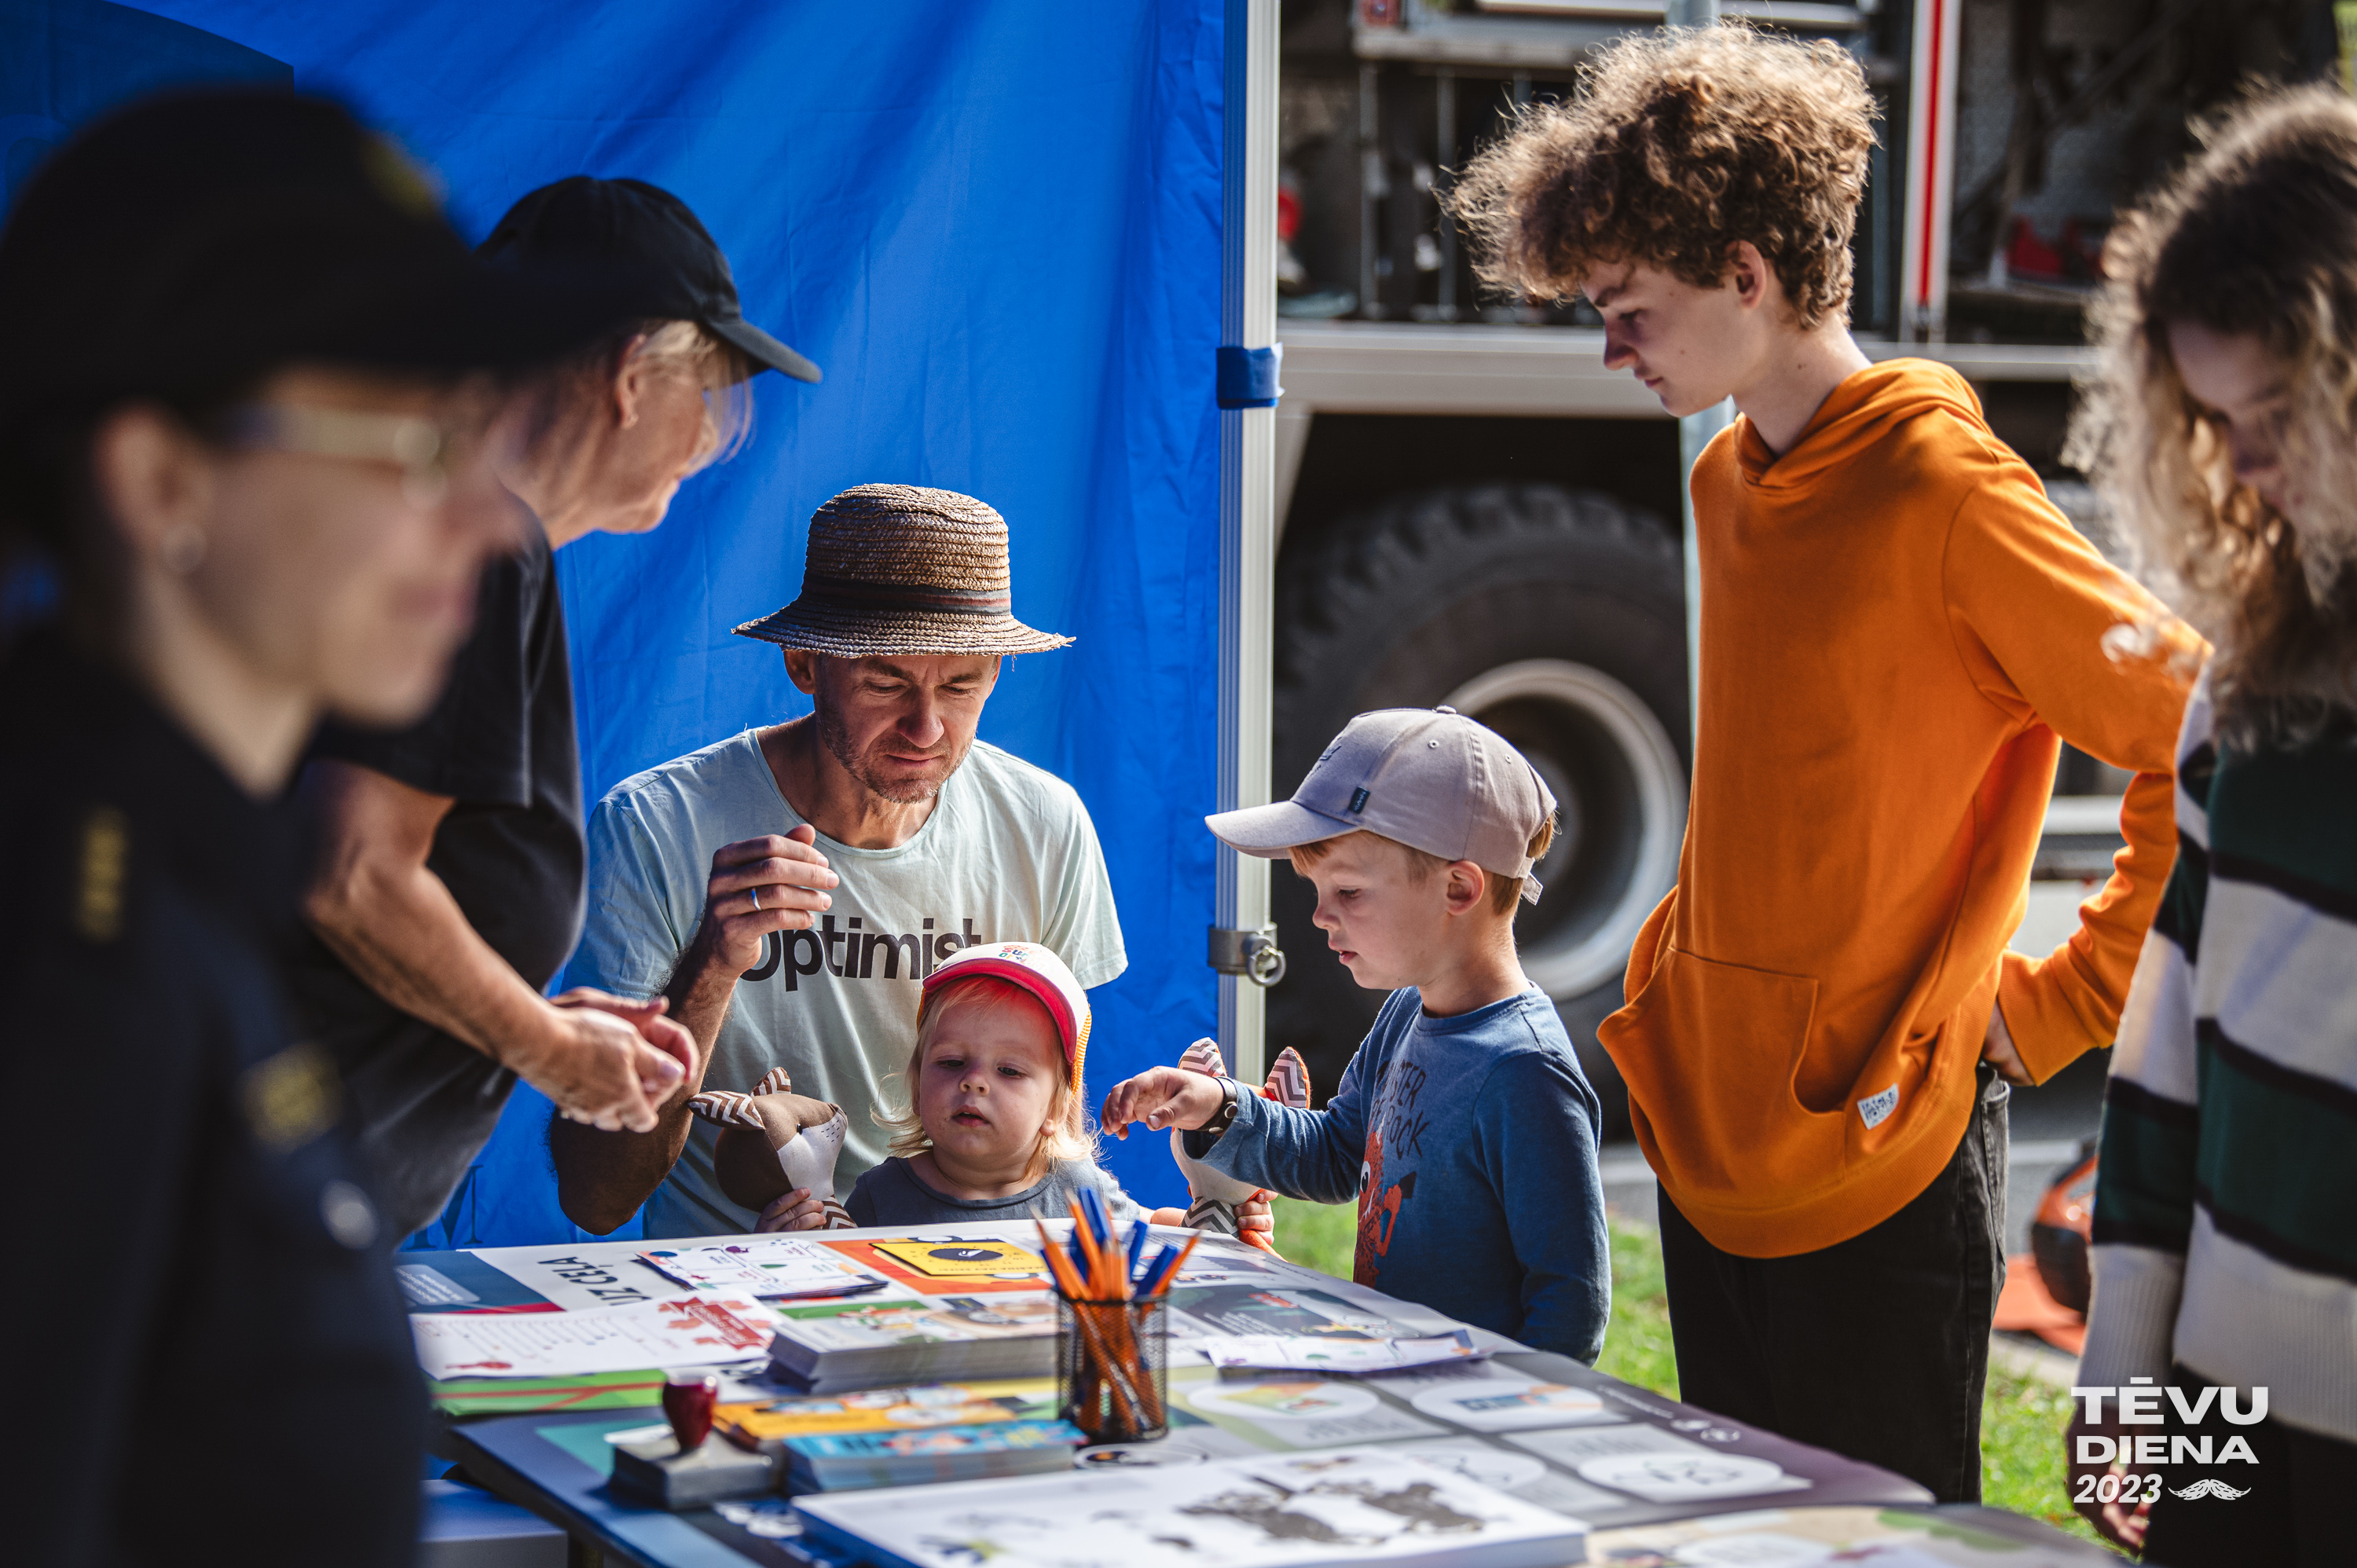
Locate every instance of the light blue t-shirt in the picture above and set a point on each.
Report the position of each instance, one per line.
(1009, 854)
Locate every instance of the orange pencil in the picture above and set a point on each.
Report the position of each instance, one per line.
(1177, 1263)
(1056, 1268)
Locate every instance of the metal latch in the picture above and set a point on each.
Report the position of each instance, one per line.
(1252, 954)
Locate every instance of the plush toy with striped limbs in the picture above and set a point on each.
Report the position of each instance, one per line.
(773, 1141)
(1214, 1195)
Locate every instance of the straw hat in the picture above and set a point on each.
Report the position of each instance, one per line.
(899, 569)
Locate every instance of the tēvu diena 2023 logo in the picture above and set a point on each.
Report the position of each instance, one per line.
(2143, 1462)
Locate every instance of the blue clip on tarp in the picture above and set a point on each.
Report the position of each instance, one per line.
(1248, 376)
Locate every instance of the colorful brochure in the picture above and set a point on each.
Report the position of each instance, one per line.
(767, 1424)
(961, 1260)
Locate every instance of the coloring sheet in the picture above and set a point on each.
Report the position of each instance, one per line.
(1511, 1403)
(1304, 1413)
(763, 1266)
(1335, 1509)
(1838, 1538)
(1525, 1478)
(1309, 1353)
(1657, 1466)
(689, 1331)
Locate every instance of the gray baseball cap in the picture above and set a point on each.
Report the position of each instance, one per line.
(1428, 777)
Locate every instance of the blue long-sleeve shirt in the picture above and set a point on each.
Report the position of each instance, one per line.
(1470, 1143)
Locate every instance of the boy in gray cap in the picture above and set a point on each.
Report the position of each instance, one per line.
(1463, 1124)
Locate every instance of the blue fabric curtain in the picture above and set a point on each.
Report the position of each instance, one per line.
(996, 224)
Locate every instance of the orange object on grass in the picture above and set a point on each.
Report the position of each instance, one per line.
(2024, 1306)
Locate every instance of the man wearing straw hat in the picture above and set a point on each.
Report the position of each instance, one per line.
(789, 889)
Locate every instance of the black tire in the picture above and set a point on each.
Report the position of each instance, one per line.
(1555, 617)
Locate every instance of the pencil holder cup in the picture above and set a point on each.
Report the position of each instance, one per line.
(1112, 1374)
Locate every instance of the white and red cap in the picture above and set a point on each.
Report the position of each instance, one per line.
(1037, 970)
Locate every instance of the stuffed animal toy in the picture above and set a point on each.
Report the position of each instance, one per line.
(1215, 1195)
(773, 1141)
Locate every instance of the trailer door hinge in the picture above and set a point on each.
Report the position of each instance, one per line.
(1252, 954)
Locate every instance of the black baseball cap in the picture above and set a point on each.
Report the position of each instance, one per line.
(194, 241)
(643, 228)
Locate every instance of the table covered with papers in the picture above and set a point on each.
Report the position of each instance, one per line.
(910, 1354)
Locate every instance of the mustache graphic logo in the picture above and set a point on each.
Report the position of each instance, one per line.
(2209, 1489)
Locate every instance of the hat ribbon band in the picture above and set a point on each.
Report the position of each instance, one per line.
(818, 590)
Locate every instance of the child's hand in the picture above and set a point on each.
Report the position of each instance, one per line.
(1256, 1213)
(1162, 1097)
(797, 1210)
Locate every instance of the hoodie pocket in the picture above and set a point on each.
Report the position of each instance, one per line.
(1711, 1052)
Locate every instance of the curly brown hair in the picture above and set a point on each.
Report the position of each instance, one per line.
(1678, 144)
(2256, 236)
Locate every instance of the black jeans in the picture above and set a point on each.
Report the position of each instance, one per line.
(2298, 1507)
(1877, 1347)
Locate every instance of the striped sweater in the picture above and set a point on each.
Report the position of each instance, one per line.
(2225, 1231)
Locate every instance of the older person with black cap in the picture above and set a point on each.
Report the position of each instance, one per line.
(712, 873)
(239, 420)
(451, 882)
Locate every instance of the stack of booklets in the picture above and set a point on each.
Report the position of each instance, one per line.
(1337, 1508)
(845, 1461)
(830, 1347)
(766, 1425)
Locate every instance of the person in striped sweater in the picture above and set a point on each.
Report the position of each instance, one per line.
(2218, 1391)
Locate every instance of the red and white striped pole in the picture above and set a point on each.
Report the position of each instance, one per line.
(1930, 172)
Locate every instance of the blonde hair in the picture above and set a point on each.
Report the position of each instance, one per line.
(2257, 236)
(1678, 144)
(1066, 1134)
(1505, 891)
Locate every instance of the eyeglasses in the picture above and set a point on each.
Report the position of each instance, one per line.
(424, 449)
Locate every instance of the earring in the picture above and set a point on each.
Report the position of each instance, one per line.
(183, 549)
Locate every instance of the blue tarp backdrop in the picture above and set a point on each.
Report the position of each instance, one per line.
(996, 224)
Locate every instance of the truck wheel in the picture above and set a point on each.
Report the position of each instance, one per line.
(1556, 617)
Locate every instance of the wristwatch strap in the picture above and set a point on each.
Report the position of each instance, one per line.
(1225, 1116)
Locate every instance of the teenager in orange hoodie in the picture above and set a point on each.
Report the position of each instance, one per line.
(1899, 632)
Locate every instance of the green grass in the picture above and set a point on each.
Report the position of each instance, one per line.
(2021, 1417)
(1637, 1337)
(1321, 1236)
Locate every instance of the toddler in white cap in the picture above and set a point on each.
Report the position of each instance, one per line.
(1463, 1127)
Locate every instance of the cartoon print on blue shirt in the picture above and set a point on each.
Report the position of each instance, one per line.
(1396, 1135)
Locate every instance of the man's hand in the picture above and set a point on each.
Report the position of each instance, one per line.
(774, 883)
(2122, 1522)
(605, 1060)
(648, 1017)
(1162, 1097)
(1997, 1051)
(797, 1210)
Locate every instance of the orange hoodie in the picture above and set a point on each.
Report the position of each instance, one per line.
(1897, 626)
